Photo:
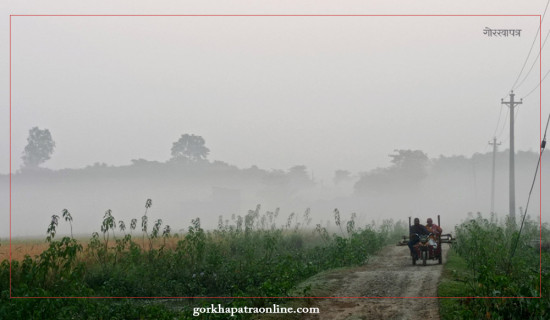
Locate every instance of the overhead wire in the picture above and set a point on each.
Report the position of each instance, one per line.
(496, 127)
(498, 121)
(516, 85)
(535, 88)
(531, 49)
(542, 146)
(534, 62)
(504, 124)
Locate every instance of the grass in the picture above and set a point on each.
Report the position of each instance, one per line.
(453, 284)
(323, 284)
(483, 265)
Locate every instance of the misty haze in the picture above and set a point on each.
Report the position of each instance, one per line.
(188, 186)
(216, 164)
(364, 125)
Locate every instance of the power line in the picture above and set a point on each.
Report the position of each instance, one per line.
(542, 146)
(498, 121)
(531, 49)
(534, 61)
(547, 72)
(504, 124)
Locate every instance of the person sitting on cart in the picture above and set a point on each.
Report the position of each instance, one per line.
(433, 228)
(414, 231)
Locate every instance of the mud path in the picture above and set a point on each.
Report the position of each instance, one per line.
(390, 274)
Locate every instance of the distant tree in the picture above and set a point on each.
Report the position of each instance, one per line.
(190, 147)
(299, 175)
(410, 164)
(39, 147)
(299, 172)
(143, 162)
(341, 176)
(408, 169)
(276, 178)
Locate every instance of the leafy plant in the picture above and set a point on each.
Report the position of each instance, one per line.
(133, 224)
(68, 218)
(154, 233)
(107, 224)
(144, 220)
(52, 228)
(247, 256)
(166, 234)
(485, 245)
(122, 226)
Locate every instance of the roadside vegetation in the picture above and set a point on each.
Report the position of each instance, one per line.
(492, 260)
(246, 256)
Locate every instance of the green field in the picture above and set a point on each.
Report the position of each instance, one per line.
(499, 269)
(249, 256)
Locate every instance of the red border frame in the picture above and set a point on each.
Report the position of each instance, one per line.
(293, 15)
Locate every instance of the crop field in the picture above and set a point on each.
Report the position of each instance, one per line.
(34, 247)
(254, 256)
(248, 256)
(507, 269)
(21, 247)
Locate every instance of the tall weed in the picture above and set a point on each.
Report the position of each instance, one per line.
(497, 271)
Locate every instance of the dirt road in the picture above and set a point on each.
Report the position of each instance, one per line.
(390, 274)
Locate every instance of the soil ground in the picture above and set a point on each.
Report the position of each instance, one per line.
(389, 274)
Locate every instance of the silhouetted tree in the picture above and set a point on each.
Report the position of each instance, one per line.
(39, 147)
(410, 164)
(276, 178)
(299, 175)
(190, 147)
(341, 176)
(408, 168)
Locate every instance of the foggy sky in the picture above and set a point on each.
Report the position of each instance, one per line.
(326, 92)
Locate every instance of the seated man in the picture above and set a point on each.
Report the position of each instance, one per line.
(415, 229)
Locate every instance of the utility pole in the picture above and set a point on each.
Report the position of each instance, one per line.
(495, 146)
(512, 196)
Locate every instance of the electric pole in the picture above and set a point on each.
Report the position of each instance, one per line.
(512, 196)
(495, 146)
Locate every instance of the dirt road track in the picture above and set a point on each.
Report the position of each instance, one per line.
(390, 274)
